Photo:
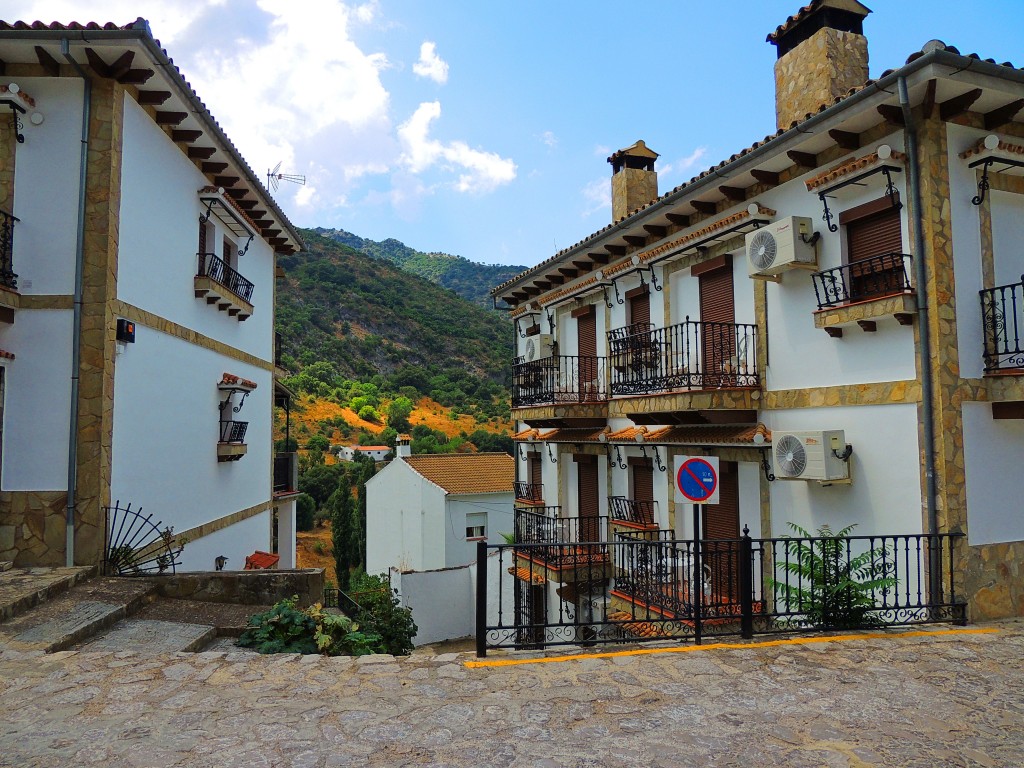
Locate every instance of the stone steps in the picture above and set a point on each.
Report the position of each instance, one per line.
(21, 589)
(76, 615)
(152, 636)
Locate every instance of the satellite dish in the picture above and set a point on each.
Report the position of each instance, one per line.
(275, 177)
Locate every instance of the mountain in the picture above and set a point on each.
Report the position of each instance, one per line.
(344, 315)
(472, 281)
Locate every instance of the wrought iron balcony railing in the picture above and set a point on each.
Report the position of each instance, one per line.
(561, 541)
(874, 278)
(633, 511)
(1002, 318)
(531, 493)
(213, 267)
(8, 279)
(285, 475)
(559, 379)
(233, 431)
(693, 354)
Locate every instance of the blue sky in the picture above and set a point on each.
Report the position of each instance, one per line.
(482, 128)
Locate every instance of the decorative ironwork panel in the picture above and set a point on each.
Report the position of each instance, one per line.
(233, 431)
(214, 267)
(559, 379)
(137, 546)
(1002, 318)
(874, 278)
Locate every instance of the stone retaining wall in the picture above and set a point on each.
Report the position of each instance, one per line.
(245, 587)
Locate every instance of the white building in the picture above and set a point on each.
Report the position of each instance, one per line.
(349, 452)
(428, 511)
(149, 378)
(889, 306)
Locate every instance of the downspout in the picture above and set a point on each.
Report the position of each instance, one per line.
(924, 349)
(65, 49)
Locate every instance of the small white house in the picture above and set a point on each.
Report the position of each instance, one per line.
(349, 452)
(428, 512)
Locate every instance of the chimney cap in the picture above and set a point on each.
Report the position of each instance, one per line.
(639, 149)
(845, 15)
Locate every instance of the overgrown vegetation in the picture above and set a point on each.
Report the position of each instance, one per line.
(381, 612)
(827, 586)
(285, 628)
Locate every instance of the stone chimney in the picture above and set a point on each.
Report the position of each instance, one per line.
(822, 55)
(634, 180)
(403, 446)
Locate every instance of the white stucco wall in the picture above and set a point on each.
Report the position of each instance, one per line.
(995, 483)
(286, 533)
(498, 510)
(46, 177)
(885, 496)
(166, 429)
(443, 602)
(394, 519)
(234, 542)
(159, 237)
(37, 407)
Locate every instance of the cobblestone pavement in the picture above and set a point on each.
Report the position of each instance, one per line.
(936, 700)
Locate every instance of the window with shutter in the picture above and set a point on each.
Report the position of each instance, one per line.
(722, 521)
(718, 317)
(588, 497)
(642, 471)
(586, 330)
(873, 230)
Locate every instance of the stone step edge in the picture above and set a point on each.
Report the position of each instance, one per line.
(105, 621)
(200, 643)
(5, 565)
(9, 610)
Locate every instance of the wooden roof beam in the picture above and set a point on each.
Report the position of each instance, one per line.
(655, 230)
(1003, 115)
(213, 167)
(615, 250)
(679, 219)
(766, 177)
(959, 104)
(583, 266)
(569, 272)
(154, 98)
(136, 77)
(635, 240)
(226, 181)
(892, 113)
(246, 205)
(122, 66)
(703, 206)
(555, 279)
(170, 118)
(737, 194)
(845, 139)
(803, 159)
(599, 258)
(201, 153)
(49, 64)
(185, 137)
(96, 63)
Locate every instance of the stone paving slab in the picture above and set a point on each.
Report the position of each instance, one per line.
(910, 701)
(155, 637)
(73, 616)
(23, 588)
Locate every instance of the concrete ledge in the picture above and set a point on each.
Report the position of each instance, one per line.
(244, 587)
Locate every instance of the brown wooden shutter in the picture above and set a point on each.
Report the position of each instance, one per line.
(716, 296)
(202, 237)
(643, 489)
(717, 341)
(640, 309)
(874, 235)
(586, 331)
(535, 476)
(589, 499)
(722, 521)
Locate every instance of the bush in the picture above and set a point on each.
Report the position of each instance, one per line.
(318, 443)
(305, 510)
(381, 613)
(369, 413)
(286, 629)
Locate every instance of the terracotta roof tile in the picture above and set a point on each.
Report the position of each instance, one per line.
(525, 574)
(259, 560)
(556, 295)
(723, 223)
(573, 435)
(847, 167)
(628, 435)
(1004, 147)
(20, 94)
(732, 434)
(466, 472)
(6, 355)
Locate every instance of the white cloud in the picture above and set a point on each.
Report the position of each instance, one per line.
(684, 164)
(430, 64)
(548, 138)
(479, 171)
(597, 195)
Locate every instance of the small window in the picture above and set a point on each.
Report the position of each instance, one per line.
(475, 531)
(476, 525)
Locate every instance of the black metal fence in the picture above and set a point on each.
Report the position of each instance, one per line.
(1002, 317)
(637, 512)
(531, 493)
(233, 431)
(649, 586)
(559, 379)
(8, 278)
(874, 278)
(213, 267)
(693, 354)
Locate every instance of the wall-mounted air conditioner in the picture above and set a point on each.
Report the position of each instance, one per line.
(781, 245)
(820, 455)
(539, 346)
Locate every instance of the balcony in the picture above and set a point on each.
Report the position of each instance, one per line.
(571, 549)
(278, 348)
(529, 493)
(692, 355)
(220, 284)
(633, 513)
(559, 379)
(8, 279)
(231, 446)
(1002, 318)
(286, 474)
(861, 292)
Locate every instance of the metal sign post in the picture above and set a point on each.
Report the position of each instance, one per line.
(697, 481)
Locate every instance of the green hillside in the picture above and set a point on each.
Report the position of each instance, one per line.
(470, 280)
(345, 316)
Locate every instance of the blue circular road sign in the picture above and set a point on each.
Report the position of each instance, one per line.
(697, 480)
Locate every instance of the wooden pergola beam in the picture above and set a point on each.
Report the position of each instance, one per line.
(49, 64)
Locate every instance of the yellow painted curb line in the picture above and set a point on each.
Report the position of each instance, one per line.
(720, 646)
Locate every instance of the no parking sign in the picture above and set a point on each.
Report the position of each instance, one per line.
(697, 479)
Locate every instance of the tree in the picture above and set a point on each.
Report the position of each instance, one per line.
(318, 443)
(399, 411)
(321, 481)
(340, 506)
(305, 510)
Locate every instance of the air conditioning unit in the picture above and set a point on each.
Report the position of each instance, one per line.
(781, 245)
(539, 346)
(811, 455)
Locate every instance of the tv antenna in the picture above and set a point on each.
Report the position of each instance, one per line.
(275, 177)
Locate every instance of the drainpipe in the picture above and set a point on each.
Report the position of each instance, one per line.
(924, 350)
(65, 49)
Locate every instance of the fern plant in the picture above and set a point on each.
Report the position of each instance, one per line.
(828, 589)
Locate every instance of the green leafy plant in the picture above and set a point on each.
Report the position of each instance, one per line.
(287, 629)
(381, 612)
(825, 586)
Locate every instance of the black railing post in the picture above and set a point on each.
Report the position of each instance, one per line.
(697, 579)
(746, 577)
(481, 599)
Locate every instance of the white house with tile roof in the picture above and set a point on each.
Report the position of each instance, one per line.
(834, 313)
(428, 511)
(136, 308)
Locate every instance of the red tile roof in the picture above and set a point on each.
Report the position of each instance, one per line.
(6, 355)
(466, 472)
(847, 167)
(806, 11)
(259, 560)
